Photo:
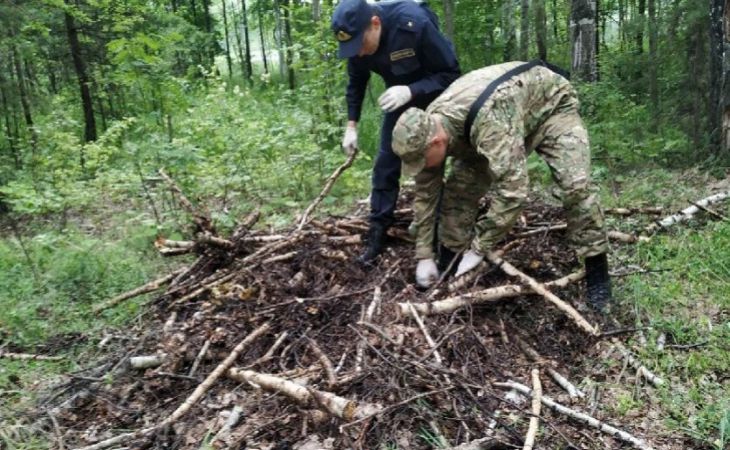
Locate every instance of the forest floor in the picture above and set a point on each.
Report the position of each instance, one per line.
(373, 379)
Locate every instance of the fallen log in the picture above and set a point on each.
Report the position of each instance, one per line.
(147, 361)
(635, 210)
(335, 405)
(688, 212)
(582, 417)
(29, 356)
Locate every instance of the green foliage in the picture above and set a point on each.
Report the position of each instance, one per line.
(684, 297)
(50, 292)
(619, 130)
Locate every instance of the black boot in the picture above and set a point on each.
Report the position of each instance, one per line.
(598, 283)
(446, 255)
(375, 244)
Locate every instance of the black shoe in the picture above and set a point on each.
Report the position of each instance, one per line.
(375, 244)
(598, 283)
(446, 255)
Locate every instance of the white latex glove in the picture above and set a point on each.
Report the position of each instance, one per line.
(426, 273)
(470, 260)
(349, 141)
(394, 97)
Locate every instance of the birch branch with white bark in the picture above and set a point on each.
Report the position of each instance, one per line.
(582, 417)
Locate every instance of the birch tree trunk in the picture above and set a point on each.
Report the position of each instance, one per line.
(583, 39)
(718, 39)
(540, 29)
(449, 18)
(725, 141)
(508, 30)
(524, 29)
(239, 45)
(653, 63)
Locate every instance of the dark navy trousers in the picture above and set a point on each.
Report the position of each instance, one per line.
(386, 172)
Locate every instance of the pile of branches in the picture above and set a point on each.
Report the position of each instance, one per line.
(277, 341)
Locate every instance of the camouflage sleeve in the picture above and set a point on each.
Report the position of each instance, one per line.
(502, 143)
(425, 205)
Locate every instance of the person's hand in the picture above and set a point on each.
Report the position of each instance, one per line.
(426, 273)
(394, 97)
(349, 141)
(470, 260)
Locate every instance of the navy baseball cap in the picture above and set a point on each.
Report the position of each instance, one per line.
(349, 22)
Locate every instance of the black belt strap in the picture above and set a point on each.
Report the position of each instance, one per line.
(477, 105)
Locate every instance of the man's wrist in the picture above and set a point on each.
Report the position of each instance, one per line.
(425, 253)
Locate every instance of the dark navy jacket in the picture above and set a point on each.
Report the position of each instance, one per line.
(411, 52)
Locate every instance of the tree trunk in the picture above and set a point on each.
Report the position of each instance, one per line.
(210, 42)
(289, 44)
(80, 67)
(524, 29)
(541, 29)
(725, 89)
(239, 46)
(556, 35)
(490, 43)
(8, 128)
(583, 40)
(279, 37)
(653, 63)
(449, 18)
(249, 68)
(717, 45)
(24, 102)
(621, 23)
(508, 30)
(316, 10)
(263, 43)
(597, 34)
(228, 41)
(640, 26)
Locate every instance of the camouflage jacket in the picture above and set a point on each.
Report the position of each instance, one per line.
(503, 133)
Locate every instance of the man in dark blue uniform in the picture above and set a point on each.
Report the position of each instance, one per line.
(400, 41)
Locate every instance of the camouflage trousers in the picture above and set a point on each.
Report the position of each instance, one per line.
(562, 142)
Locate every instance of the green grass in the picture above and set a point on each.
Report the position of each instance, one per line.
(686, 297)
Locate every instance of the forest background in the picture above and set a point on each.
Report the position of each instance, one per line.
(242, 103)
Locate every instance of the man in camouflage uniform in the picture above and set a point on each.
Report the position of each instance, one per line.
(536, 109)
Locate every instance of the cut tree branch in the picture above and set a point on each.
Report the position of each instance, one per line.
(538, 288)
(687, 213)
(326, 190)
(149, 287)
(536, 403)
(453, 303)
(585, 418)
